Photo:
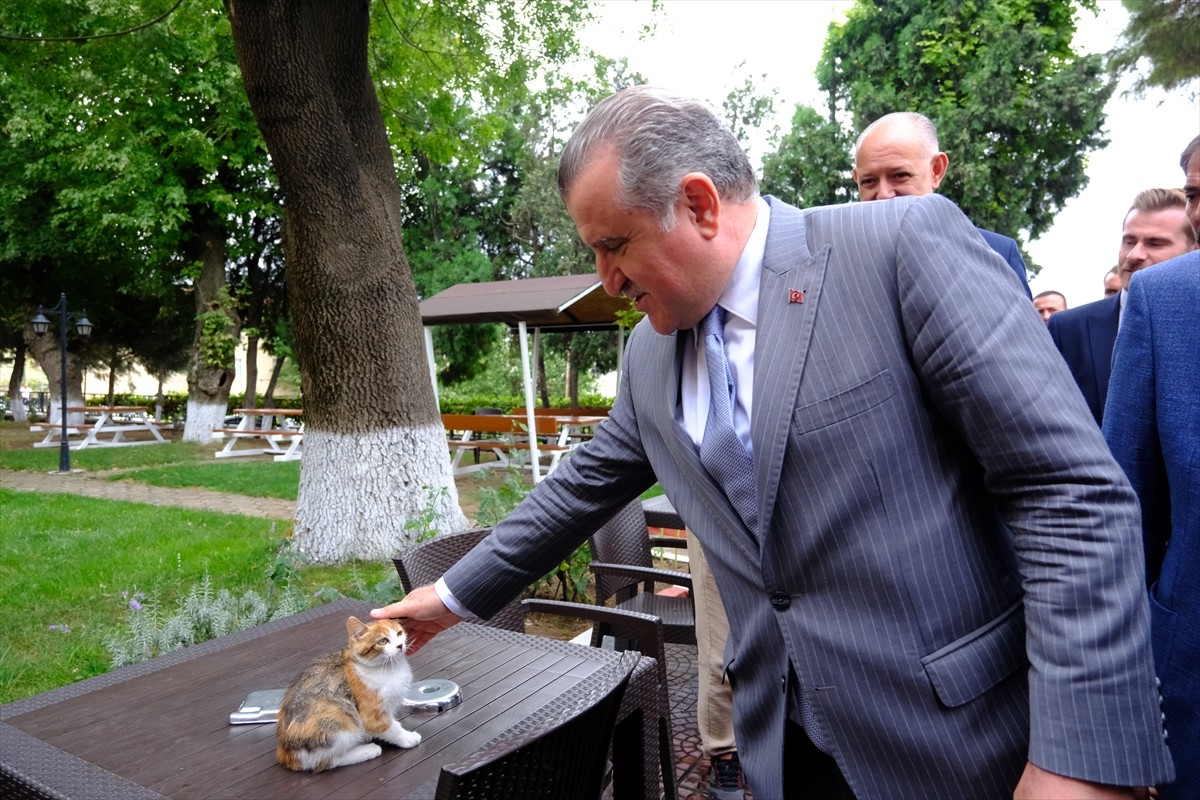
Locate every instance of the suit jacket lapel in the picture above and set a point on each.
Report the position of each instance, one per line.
(784, 332)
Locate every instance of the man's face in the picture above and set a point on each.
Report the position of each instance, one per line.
(1150, 237)
(1191, 189)
(668, 274)
(1049, 304)
(894, 163)
(1112, 284)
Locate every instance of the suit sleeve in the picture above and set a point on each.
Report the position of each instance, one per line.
(562, 511)
(1131, 424)
(989, 368)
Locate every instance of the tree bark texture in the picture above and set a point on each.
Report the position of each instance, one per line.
(45, 352)
(16, 401)
(375, 449)
(209, 382)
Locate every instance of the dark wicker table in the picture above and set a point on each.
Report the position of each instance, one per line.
(160, 728)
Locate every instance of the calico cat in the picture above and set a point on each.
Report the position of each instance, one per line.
(343, 700)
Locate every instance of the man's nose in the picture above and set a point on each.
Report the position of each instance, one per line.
(610, 276)
(886, 191)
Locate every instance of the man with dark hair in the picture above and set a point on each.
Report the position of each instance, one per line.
(1152, 424)
(930, 562)
(1155, 229)
(898, 155)
(1048, 303)
(1190, 162)
(1112, 281)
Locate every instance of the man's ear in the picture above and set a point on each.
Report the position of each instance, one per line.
(940, 163)
(702, 203)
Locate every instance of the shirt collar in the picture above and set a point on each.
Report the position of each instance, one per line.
(740, 297)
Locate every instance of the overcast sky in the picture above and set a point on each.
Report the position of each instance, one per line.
(699, 44)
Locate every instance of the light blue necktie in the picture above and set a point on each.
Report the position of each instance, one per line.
(721, 451)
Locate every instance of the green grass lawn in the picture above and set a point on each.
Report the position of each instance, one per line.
(69, 565)
(253, 478)
(17, 453)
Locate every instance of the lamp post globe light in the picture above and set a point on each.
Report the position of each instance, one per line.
(84, 328)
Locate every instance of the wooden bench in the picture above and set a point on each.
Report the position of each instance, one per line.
(499, 434)
(574, 411)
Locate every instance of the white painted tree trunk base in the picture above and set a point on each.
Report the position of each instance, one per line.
(358, 490)
(201, 419)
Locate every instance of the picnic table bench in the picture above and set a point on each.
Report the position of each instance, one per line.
(500, 434)
(110, 428)
(270, 439)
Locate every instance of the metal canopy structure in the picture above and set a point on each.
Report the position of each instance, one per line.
(564, 303)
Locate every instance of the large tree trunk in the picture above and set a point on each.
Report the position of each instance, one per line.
(211, 371)
(45, 351)
(374, 447)
(16, 400)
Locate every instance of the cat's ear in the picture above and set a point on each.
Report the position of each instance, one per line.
(355, 628)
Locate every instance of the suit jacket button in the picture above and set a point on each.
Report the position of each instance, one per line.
(780, 601)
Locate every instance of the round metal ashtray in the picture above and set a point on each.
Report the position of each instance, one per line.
(434, 694)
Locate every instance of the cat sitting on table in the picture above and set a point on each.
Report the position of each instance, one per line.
(343, 700)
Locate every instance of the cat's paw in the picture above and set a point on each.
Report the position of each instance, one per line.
(403, 738)
(359, 754)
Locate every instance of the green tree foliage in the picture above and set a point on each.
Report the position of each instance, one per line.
(811, 165)
(1017, 109)
(1166, 34)
(126, 158)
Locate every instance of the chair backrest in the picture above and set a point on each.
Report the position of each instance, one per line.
(645, 633)
(622, 540)
(424, 563)
(559, 752)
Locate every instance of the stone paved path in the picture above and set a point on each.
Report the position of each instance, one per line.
(92, 484)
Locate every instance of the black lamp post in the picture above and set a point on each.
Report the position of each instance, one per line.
(84, 328)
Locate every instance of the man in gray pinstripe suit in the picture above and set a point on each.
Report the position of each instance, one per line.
(941, 594)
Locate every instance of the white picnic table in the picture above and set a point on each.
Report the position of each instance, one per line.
(112, 428)
(279, 436)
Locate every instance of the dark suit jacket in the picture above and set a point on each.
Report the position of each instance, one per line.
(946, 548)
(1153, 428)
(1008, 250)
(1085, 336)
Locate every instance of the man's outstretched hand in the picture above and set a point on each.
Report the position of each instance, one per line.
(423, 615)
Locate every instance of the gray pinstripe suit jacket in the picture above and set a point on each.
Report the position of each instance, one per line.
(949, 558)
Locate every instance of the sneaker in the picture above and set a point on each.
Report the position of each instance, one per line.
(725, 778)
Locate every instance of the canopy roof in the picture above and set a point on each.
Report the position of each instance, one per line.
(567, 302)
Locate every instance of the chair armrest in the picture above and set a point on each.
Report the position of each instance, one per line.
(650, 574)
(668, 541)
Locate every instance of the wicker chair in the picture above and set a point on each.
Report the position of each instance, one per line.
(624, 571)
(559, 752)
(643, 633)
(424, 563)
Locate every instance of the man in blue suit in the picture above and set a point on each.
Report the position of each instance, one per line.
(1153, 428)
(1156, 228)
(931, 564)
(897, 155)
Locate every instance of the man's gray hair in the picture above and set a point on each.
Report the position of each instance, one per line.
(657, 138)
(922, 124)
(1189, 151)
